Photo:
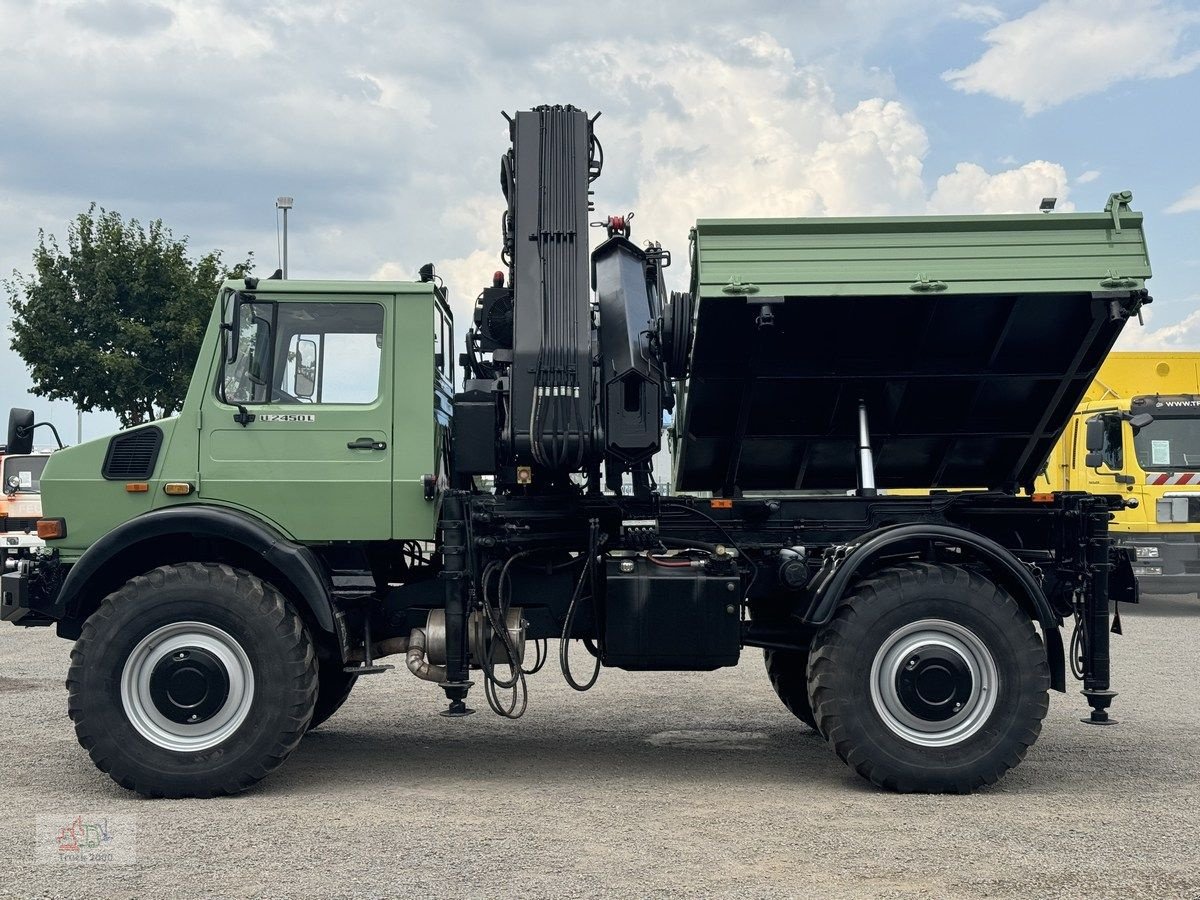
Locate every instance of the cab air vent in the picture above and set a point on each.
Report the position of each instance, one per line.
(131, 456)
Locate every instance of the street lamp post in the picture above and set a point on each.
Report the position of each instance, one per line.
(284, 203)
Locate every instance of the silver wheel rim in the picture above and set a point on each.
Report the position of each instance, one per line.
(159, 645)
(944, 637)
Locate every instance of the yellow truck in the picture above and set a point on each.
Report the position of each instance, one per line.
(1137, 431)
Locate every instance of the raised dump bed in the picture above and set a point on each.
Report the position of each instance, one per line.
(970, 339)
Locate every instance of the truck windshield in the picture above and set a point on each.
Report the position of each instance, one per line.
(1169, 444)
(28, 471)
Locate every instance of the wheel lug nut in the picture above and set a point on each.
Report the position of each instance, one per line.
(912, 663)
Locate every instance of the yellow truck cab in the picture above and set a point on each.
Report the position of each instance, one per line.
(1143, 414)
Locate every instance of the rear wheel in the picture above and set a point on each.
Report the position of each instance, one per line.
(192, 680)
(788, 671)
(929, 678)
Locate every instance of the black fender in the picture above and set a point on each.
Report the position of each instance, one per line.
(297, 566)
(831, 583)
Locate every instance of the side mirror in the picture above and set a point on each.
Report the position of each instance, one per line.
(1140, 421)
(304, 385)
(1094, 435)
(20, 431)
(229, 325)
(1094, 459)
(257, 371)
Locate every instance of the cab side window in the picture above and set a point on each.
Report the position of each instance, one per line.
(303, 353)
(443, 339)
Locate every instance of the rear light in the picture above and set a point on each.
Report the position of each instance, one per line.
(51, 529)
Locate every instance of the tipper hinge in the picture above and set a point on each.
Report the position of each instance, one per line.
(924, 284)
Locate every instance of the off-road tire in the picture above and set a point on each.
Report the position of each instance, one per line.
(840, 677)
(333, 689)
(252, 612)
(788, 671)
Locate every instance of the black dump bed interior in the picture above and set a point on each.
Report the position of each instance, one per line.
(961, 391)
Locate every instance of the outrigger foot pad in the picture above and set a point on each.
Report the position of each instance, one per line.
(1099, 701)
(456, 693)
(458, 709)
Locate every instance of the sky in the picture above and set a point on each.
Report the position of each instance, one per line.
(383, 121)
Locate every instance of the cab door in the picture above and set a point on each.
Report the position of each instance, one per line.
(300, 429)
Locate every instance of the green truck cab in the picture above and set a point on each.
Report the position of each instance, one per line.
(302, 434)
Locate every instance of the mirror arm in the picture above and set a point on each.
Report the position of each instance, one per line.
(22, 432)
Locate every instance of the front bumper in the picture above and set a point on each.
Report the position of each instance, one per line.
(1165, 563)
(18, 542)
(15, 604)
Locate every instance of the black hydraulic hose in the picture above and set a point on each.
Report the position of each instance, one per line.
(564, 643)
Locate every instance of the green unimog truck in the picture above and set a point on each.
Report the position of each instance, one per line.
(329, 496)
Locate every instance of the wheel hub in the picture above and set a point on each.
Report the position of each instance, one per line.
(934, 683)
(189, 686)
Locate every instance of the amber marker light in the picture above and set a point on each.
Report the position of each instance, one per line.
(1043, 498)
(49, 529)
(177, 488)
(137, 487)
(721, 504)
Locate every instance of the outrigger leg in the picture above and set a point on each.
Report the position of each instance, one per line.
(455, 556)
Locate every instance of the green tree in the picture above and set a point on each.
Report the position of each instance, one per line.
(115, 321)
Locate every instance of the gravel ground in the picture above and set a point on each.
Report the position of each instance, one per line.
(651, 786)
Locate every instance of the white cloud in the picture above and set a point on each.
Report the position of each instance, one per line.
(1065, 49)
(983, 13)
(1189, 202)
(1088, 177)
(1182, 335)
(754, 134)
(382, 120)
(970, 189)
(690, 132)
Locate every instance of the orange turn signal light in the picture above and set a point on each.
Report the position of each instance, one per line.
(177, 488)
(1043, 498)
(721, 504)
(137, 487)
(49, 529)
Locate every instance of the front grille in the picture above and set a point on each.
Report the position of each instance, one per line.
(12, 524)
(131, 456)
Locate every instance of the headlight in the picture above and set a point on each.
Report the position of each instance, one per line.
(1147, 553)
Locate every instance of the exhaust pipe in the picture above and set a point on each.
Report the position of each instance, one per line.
(418, 664)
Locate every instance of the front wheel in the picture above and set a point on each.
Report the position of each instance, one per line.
(192, 680)
(929, 678)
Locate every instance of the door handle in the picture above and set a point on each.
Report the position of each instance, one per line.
(364, 443)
